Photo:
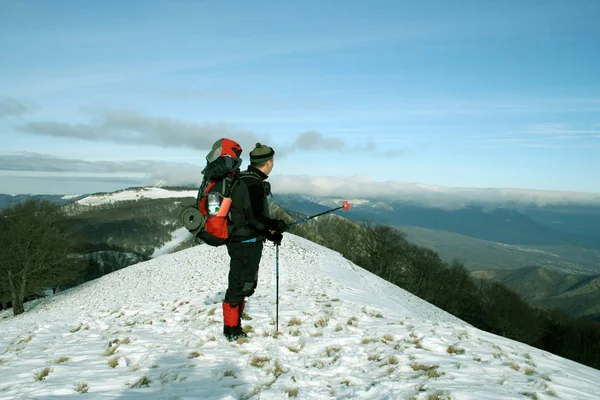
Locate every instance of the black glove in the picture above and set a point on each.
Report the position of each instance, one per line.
(281, 226)
(275, 237)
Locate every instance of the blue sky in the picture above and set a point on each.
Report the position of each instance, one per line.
(484, 94)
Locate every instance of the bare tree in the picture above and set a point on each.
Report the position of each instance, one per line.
(36, 250)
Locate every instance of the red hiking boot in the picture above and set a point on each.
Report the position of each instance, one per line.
(232, 318)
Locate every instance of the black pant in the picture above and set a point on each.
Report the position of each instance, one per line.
(243, 270)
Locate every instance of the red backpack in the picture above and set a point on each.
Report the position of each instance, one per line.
(209, 220)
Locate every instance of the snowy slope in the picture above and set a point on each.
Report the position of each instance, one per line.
(345, 334)
(136, 194)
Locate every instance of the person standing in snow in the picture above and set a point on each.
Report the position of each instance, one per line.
(251, 225)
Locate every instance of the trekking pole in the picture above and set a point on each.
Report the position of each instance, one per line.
(345, 205)
(276, 289)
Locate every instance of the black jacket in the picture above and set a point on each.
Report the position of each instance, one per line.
(249, 212)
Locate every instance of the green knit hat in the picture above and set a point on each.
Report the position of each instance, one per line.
(261, 154)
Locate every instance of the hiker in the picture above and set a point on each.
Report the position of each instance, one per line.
(251, 225)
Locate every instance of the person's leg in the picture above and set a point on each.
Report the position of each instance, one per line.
(253, 257)
(234, 296)
(243, 275)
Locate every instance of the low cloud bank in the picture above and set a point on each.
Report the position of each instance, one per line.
(149, 172)
(364, 187)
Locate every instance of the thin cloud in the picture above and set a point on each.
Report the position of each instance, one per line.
(35, 164)
(558, 129)
(11, 107)
(129, 127)
(142, 172)
(545, 135)
(313, 140)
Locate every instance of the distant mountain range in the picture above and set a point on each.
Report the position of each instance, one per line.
(7, 200)
(574, 293)
(519, 226)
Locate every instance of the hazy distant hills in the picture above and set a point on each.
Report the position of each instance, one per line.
(574, 293)
(505, 225)
(580, 220)
(562, 238)
(7, 200)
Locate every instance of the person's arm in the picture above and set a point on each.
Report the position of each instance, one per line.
(255, 206)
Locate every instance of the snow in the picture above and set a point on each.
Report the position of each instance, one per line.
(178, 236)
(136, 194)
(358, 337)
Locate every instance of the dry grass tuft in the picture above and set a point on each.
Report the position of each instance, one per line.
(514, 366)
(531, 395)
(388, 337)
(295, 349)
(331, 350)
(246, 317)
(291, 392)
(367, 340)
(248, 329)
(113, 362)
(41, 374)
(111, 350)
(194, 354)
(25, 340)
(212, 312)
(455, 350)
(392, 360)
(294, 321)
(259, 361)
(439, 396)
(82, 387)
(144, 381)
(278, 369)
(429, 370)
(529, 371)
(61, 360)
(229, 372)
(294, 332)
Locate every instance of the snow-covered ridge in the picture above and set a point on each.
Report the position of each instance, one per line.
(345, 334)
(136, 194)
(70, 196)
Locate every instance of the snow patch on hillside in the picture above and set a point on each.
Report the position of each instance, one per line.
(136, 194)
(178, 236)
